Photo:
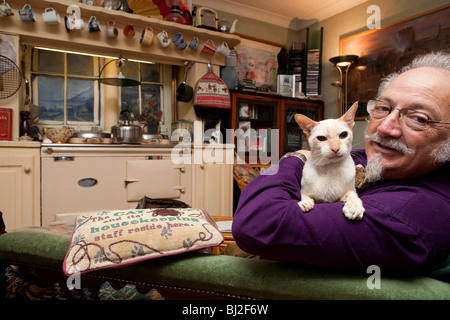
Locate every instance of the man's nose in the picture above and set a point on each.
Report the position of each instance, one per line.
(391, 126)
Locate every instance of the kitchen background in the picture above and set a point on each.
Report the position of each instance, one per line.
(257, 29)
(335, 27)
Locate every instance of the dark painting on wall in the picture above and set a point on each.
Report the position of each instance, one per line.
(383, 51)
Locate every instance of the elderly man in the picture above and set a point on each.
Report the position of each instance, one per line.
(406, 224)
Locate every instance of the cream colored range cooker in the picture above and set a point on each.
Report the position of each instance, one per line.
(91, 177)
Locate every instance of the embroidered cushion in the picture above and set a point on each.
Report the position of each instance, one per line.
(121, 237)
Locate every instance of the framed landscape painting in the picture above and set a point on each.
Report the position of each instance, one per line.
(383, 51)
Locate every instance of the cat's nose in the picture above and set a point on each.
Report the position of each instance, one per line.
(335, 149)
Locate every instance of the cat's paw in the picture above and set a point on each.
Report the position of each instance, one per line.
(353, 209)
(306, 205)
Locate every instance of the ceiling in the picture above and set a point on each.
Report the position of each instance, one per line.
(292, 14)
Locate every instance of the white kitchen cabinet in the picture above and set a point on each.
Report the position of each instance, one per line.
(213, 179)
(20, 184)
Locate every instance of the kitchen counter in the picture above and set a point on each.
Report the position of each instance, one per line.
(107, 145)
(20, 144)
(104, 149)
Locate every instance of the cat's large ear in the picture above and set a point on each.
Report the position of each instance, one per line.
(305, 123)
(349, 116)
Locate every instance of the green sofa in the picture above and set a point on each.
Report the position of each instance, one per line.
(199, 275)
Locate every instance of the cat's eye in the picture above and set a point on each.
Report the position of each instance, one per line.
(321, 138)
(343, 135)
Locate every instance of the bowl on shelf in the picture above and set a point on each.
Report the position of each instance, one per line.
(58, 135)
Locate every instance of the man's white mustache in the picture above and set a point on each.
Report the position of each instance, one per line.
(390, 143)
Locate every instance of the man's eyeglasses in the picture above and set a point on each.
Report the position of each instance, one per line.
(412, 118)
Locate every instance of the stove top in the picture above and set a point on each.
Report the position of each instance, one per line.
(107, 145)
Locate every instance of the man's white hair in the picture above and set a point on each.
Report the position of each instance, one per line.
(439, 60)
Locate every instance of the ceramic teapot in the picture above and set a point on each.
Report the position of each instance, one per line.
(226, 26)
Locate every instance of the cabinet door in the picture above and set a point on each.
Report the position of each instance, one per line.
(213, 181)
(81, 184)
(256, 116)
(214, 189)
(16, 191)
(154, 179)
(293, 137)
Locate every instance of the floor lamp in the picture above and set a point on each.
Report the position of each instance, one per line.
(343, 63)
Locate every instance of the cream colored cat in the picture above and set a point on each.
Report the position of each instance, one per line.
(329, 173)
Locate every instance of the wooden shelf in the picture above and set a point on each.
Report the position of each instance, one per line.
(56, 36)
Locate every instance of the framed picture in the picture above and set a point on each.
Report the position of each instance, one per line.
(386, 50)
(257, 64)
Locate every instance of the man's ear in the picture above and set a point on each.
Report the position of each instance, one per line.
(349, 116)
(305, 123)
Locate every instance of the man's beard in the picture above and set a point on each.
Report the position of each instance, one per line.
(374, 168)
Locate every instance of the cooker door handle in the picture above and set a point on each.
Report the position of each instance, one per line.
(181, 188)
(63, 158)
(128, 181)
(181, 167)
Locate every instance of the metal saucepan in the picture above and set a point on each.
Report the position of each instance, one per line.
(185, 92)
(126, 133)
(91, 137)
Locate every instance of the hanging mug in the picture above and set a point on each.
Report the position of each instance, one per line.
(224, 50)
(93, 24)
(164, 39)
(209, 47)
(51, 16)
(73, 23)
(73, 20)
(179, 42)
(129, 31)
(194, 43)
(5, 10)
(26, 14)
(147, 36)
(111, 31)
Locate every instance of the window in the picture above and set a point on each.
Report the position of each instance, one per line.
(149, 94)
(66, 87)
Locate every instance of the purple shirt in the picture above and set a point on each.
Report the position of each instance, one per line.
(405, 228)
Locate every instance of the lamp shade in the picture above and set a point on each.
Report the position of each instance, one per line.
(345, 60)
(121, 73)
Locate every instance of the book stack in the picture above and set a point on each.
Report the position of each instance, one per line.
(313, 73)
(255, 139)
(296, 68)
(247, 85)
